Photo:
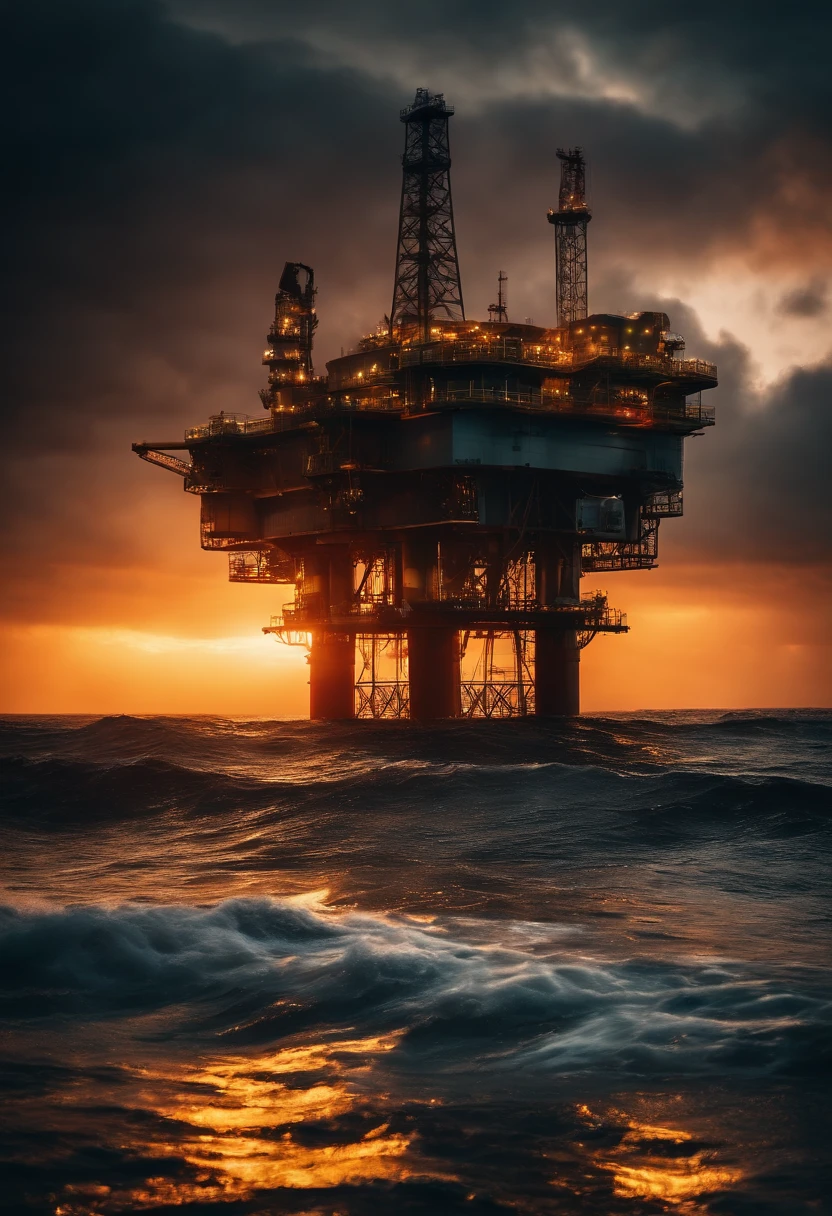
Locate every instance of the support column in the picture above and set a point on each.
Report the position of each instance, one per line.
(557, 683)
(433, 672)
(331, 676)
(557, 673)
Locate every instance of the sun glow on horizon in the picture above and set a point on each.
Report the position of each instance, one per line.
(700, 638)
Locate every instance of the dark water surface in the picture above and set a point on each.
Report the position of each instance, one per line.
(518, 967)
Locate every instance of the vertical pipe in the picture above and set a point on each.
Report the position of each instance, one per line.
(433, 667)
(331, 676)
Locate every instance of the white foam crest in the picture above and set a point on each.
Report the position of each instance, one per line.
(453, 987)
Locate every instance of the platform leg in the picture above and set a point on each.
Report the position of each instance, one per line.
(433, 667)
(557, 684)
(332, 676)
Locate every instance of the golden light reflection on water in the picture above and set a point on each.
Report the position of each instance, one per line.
(315, 1116)
(234, 1121)
(242, 1165)
(644, 1165)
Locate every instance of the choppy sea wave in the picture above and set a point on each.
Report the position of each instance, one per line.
(453, 990)
(490, 967)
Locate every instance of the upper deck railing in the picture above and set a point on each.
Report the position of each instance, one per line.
(686, 414)
(592, 612)
(230, 424)
(514, 350)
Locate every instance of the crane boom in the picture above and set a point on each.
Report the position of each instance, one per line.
(154, 455)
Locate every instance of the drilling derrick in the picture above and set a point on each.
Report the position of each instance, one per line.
(570, 222)
(427, 284)
(435, 500)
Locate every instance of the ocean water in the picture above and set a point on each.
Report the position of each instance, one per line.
(502, 967)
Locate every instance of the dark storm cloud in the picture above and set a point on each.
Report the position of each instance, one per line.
(757, 484)
(159, 172)
(782, 494)
(757, 43)
(811, 300)
(750, 63)
(148, 164)
(157, 178)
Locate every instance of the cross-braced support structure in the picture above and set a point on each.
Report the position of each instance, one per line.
(501, 680)
(382, 688)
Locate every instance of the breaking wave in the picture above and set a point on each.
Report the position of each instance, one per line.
(260, 970)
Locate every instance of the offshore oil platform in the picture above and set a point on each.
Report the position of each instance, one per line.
(436, 498)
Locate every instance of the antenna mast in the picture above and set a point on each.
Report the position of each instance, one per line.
(499, 311)
(570, 221)
(427, 266)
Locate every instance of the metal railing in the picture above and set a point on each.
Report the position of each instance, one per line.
(664, 504)
(593, 610)
(514, 350)
(229, 424)
(485, 393)
(382, 699)
(260, 566)
(660, 363)
(385, 404)
(696, 412)
(501, 350)
(361, 378)
(547, 400)
(285, 617)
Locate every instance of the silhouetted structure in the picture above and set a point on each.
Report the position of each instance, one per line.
(499, 311)
(427, 285)
(437, 496)
(570, 221)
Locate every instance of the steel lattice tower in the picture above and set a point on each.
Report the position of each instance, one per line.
(570, 221)
(427, 267)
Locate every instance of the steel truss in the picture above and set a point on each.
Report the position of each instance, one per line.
(382, 689)
(502, 583)
(496, 691)
(261, 566)
(427, 282)
(642, 554)
(374, 577)
(470, 586)
(570, 222)
(664, 504)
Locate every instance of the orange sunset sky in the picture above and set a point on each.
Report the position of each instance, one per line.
(163, 178)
